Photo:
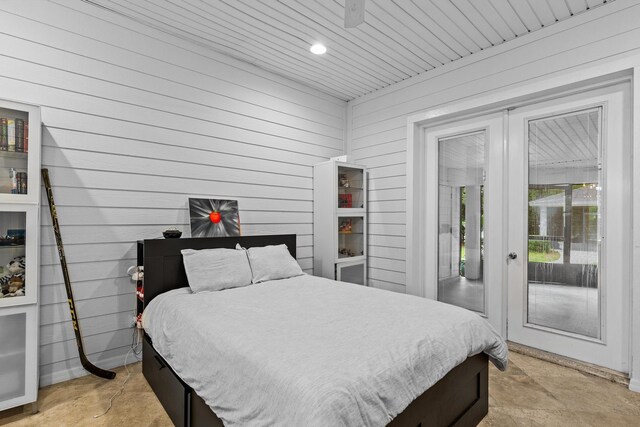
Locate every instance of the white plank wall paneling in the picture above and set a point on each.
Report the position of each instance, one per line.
(135, 122)
(379, 120)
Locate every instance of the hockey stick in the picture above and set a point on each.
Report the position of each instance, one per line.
(90, 367)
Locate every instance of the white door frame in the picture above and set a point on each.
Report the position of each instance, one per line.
(540, 89)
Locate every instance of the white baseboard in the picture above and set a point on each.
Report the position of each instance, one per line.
(634, 384)
(79, 371)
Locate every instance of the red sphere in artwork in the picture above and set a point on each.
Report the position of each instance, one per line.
(215, 217)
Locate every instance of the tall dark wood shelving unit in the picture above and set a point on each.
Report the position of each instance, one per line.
(140, 283)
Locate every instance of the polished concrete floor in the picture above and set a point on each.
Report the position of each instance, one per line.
(567, 308)
(531, 393)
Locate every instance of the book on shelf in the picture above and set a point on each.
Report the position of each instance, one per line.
(14, 134)
(22, 183)
(18, 181)
(4, 139)
(11, 135)
(26, 136)
(19, 123)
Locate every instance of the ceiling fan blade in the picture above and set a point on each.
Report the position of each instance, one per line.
(353, 13)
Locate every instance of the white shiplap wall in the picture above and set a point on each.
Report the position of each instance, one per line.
(135, 122)
(378, 122)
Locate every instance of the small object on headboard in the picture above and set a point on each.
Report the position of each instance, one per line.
(172, 233)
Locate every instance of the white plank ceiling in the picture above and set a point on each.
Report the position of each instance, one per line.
(399, 38)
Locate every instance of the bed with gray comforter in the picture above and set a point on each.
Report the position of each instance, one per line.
(311, 351)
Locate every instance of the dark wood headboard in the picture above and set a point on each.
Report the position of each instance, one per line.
(163, 267)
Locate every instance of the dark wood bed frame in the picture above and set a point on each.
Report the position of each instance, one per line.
(459, 399)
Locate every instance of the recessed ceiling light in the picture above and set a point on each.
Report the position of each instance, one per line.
(318, 49)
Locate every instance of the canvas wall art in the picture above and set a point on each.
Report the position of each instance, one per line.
(214, 218)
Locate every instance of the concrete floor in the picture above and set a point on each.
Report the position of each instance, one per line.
(568, 308)
(531, 393)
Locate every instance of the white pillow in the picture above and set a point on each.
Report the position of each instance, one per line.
(216, 269)
(272, 263)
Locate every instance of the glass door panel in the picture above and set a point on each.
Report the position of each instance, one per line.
(461, 175)
(463, 233)
(18, 355)
(12, 254)
(351, 188)
(564, 217)
(14, 151)
(18, 249)
(350, 237)
(13, 355)
(352, 273)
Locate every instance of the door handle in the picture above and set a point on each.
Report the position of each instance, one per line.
(512, 255)
(160, 362)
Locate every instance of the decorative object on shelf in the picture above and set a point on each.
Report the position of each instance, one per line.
(136, 272)
(13, 177)
(214, 218)
(14, 237)
(7, 241)
(86, 364)
(12, 283)
(345, 201)
(346, 252)
(346, 226)
(139, 320)
(18, 234)
(172, 233)
(344, 181)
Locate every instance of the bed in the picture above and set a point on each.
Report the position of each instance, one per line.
(307, 350)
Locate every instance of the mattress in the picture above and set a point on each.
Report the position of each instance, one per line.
(312, 351)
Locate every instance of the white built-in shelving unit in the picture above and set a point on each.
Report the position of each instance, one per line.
(340, 221)
(19, 237)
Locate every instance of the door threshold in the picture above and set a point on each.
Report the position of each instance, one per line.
(567, 362)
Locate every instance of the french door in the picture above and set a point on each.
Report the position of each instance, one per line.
(569, 222)
(464, 162)
(531, 228)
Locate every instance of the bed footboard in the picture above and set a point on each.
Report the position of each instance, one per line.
(459, 399)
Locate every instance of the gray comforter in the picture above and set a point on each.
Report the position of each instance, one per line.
(311, 351)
